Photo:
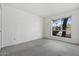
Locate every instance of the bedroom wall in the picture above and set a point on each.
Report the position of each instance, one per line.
(74, 30)
(19, 26)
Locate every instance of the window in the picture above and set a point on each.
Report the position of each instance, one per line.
(62, 27)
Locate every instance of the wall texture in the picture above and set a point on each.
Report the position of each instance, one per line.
(19, 26)
(75, 26)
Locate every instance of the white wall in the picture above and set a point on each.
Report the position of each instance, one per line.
(75, 26)
(19, 26)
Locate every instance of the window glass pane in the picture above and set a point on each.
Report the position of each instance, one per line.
(62, 27)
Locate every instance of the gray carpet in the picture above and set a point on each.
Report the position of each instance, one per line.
(42, 47)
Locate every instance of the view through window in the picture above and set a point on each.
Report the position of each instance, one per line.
(62, 27)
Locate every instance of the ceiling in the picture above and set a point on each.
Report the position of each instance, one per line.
(45, 9)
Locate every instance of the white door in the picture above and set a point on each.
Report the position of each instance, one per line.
(0, 28)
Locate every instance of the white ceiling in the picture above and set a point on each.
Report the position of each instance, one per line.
(45, 9)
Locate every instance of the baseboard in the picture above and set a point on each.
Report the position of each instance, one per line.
(19, 43)
(63, 41)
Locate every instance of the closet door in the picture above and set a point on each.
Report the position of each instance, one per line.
(0, 29)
